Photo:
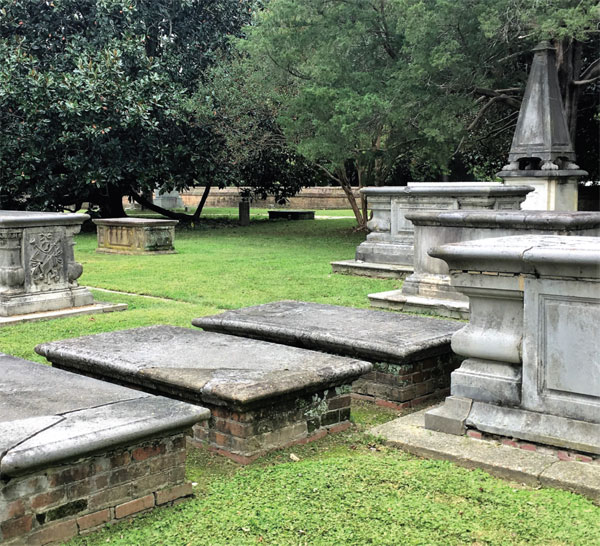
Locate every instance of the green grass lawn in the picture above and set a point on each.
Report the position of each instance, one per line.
(345, 489)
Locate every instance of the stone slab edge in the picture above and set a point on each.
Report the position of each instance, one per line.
(70, 312)
(163, 416)
(532, 468)
(369, 269)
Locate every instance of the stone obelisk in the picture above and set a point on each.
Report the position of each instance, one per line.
(542, 154)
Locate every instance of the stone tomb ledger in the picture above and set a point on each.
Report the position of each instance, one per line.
(135, 235)
(532, 368)
(76, 453)
(411, 355)
(38, 271)
(429, 289)
(262, 396)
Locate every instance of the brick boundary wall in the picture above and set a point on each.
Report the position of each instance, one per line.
(245, 435)
(57, 503)
(401, 386)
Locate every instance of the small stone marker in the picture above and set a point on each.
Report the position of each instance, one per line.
(38, 271)
(411, 355)
(287, 214)
(135, 235)
(77, 453)
(262, 396)
(532, 368)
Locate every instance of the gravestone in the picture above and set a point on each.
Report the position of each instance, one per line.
(77, 453)
(170, 200)
(135, 235)
(532, 368)
(411, 356)
(389, 248)
(38, 271)
(429, 288)
(541, 154)
(262, 396)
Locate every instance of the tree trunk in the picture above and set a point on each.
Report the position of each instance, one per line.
(568, 63)
(347, 188)
(111, 203)
(198, 211)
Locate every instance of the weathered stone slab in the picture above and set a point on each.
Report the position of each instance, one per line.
(429, 289)
(38, 271)
(72, 445)
(531, 345)
(411, 355)
(279, 394)
(135, 235)
(287, 214)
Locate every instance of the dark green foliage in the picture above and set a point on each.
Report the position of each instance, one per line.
(92, 97)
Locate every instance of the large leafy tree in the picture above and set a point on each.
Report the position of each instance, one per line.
(93, 98)
(378, 91)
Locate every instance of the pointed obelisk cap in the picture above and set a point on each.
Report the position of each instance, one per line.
(541, 139)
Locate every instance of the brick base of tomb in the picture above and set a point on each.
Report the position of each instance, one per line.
(402, 386)
(247, 434)
(60, 502)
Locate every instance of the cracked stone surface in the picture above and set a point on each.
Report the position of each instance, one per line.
(49, 415)
(363, 333)
(202, 366)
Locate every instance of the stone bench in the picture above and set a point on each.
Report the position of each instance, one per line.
(411, 355)
(135, 236)
(262, 396)
(291, 214)
(428, 289)
(76, 453)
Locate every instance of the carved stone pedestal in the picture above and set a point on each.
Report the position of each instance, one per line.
(391, 240)
(38, 272)
(429, 289)
(533, 367)
(135, 236)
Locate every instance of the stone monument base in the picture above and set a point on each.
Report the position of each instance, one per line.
(395, 300)
(370, 269)
(459, 413)
(92, 309)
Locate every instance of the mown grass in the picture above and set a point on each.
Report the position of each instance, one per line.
(346, 488)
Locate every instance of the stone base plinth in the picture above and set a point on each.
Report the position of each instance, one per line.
(370, 269)
(135, 236)
(52, 300)
(553, 190)
(68, 312)
(397, 301)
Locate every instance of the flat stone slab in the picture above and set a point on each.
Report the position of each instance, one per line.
(202, 366)
(49, 415)
(291, 214)
(362, 333)
(370, 269)
(530, 467)
(69, 312)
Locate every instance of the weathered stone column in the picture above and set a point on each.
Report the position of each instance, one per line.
(533, 368)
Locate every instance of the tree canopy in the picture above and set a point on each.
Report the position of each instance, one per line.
(93, 97)
(383, 91)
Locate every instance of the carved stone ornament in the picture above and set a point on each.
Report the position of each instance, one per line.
(46, 263)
